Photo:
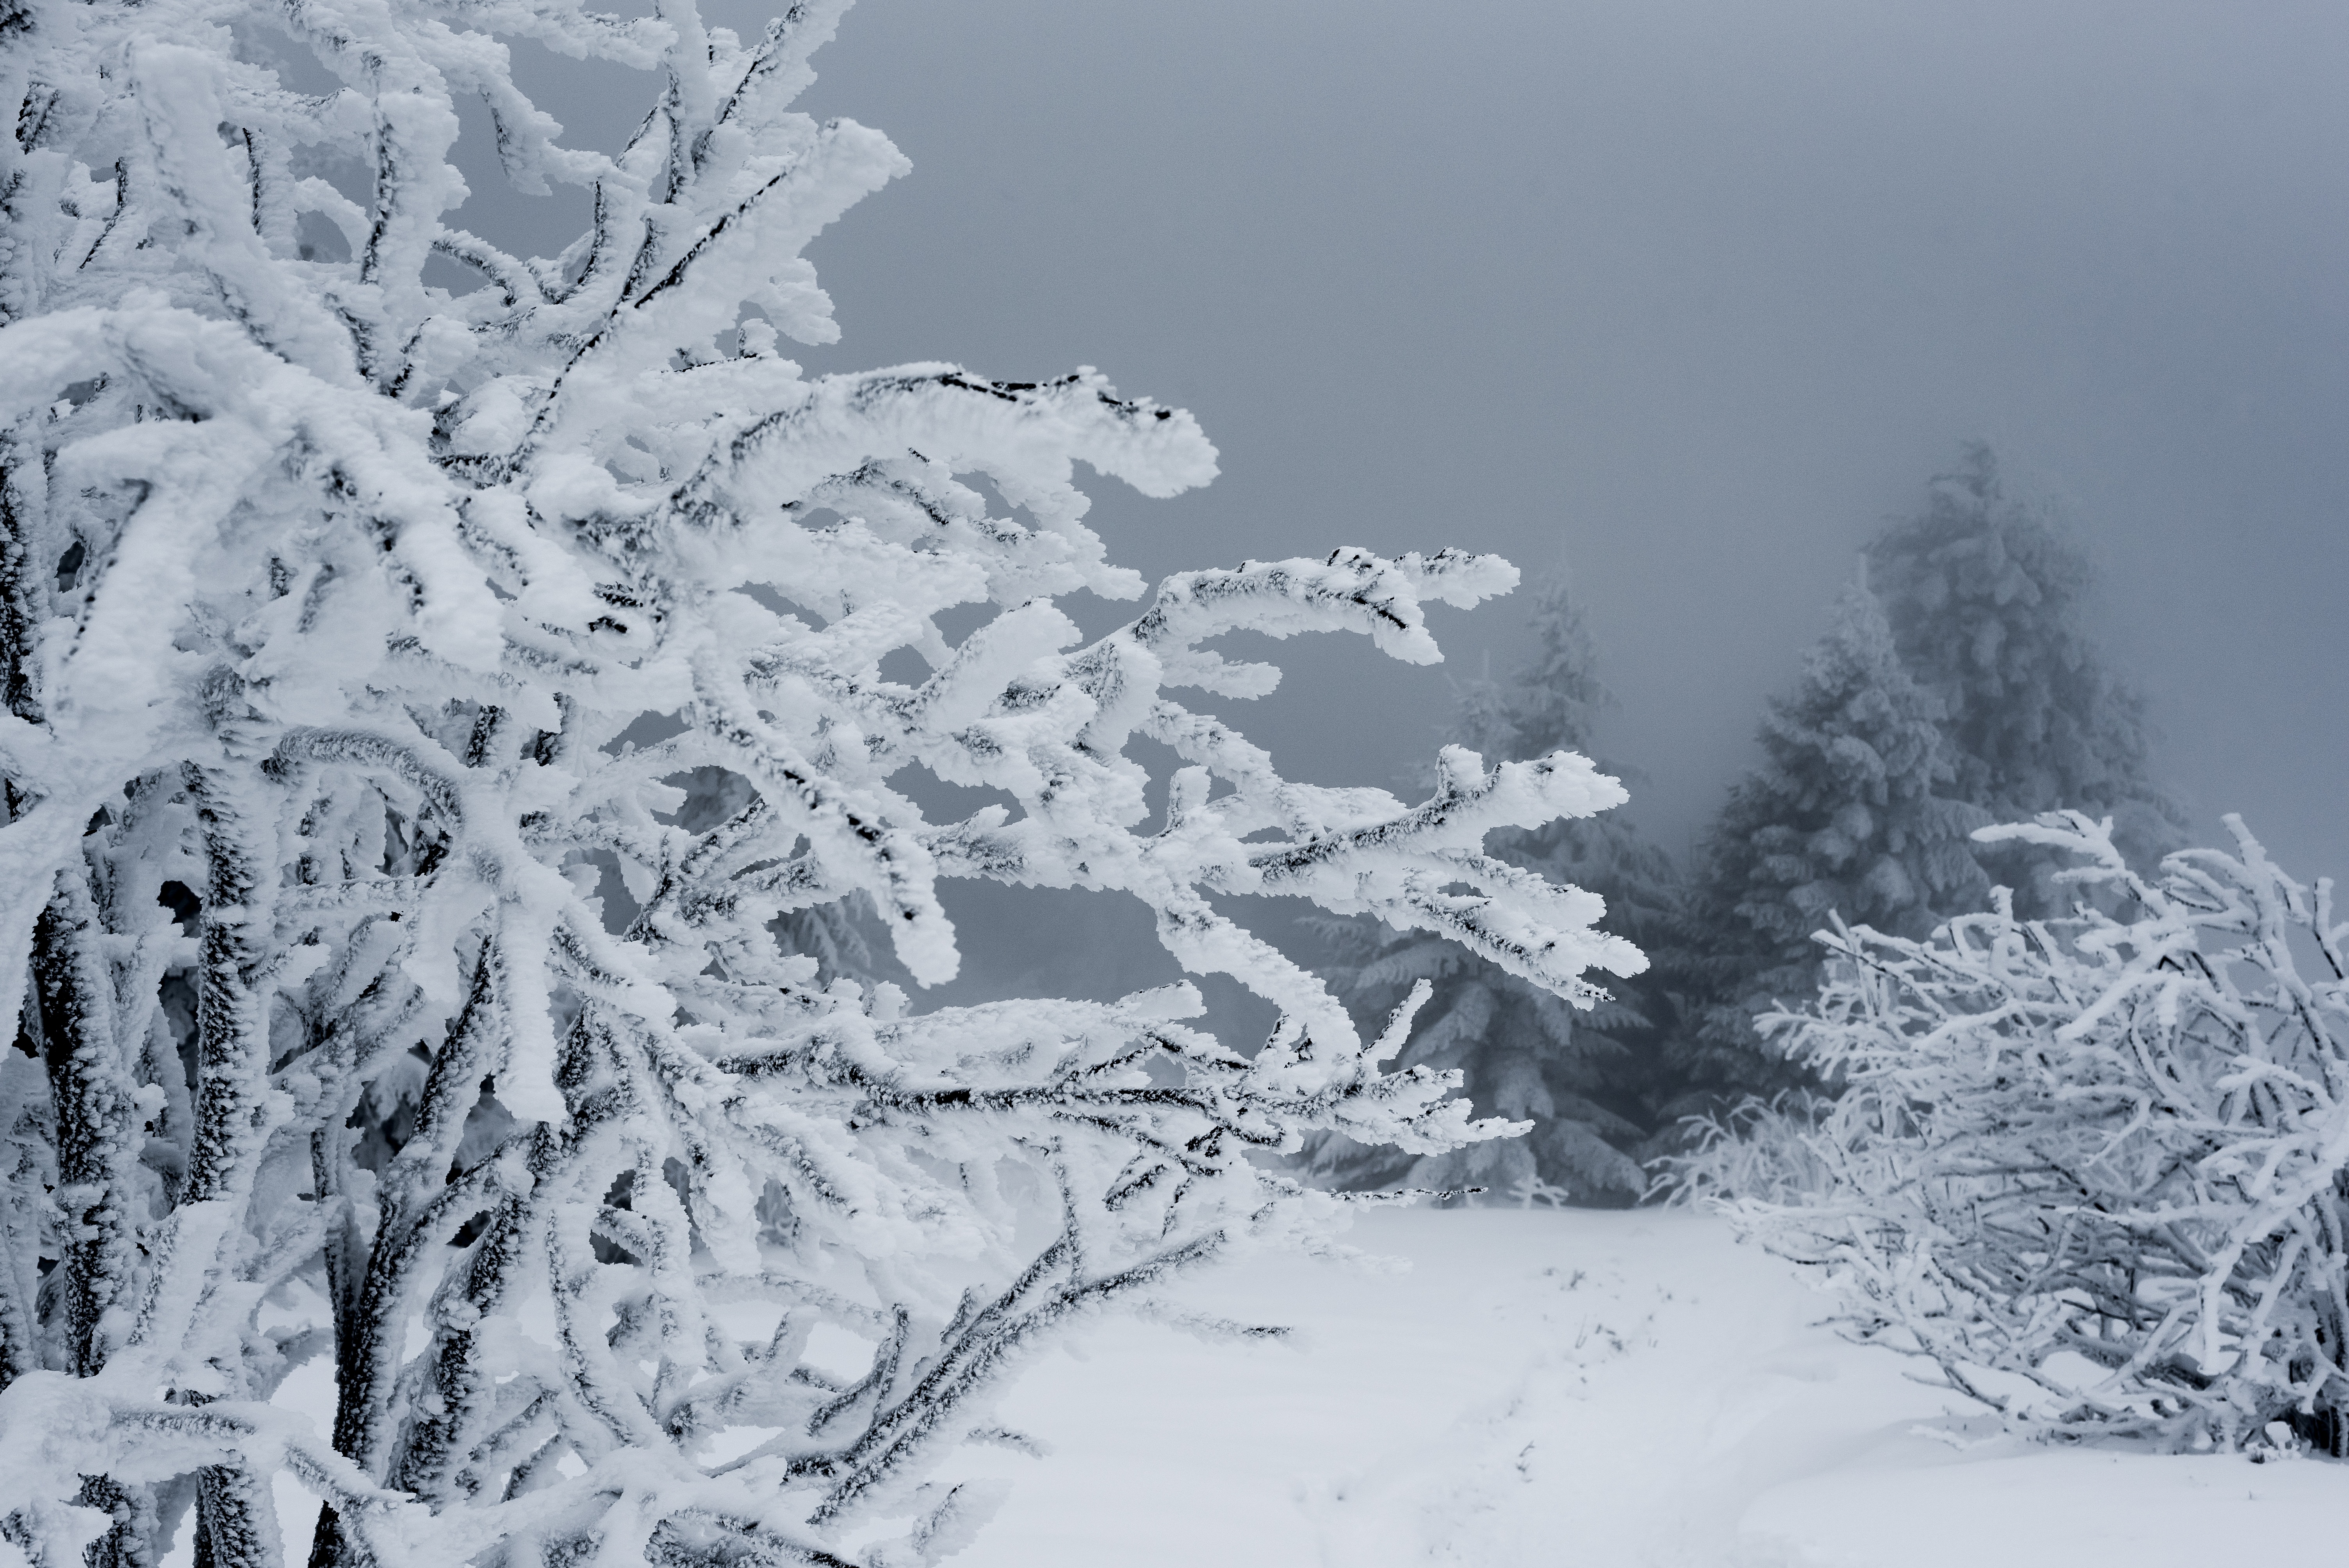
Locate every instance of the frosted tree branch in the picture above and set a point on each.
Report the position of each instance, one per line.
(358, 629)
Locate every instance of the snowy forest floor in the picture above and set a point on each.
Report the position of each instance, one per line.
(1572, 1388)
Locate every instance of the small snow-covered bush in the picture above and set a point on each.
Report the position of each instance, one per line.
(1758, 1149)
(395, 998)
(2097, 1168)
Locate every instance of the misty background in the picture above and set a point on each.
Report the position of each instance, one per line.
(1682, 296)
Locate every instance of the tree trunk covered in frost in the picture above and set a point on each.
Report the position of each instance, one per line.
(381, 1003)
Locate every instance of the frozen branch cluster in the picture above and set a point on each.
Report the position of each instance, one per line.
(356, 631)
(2098, 1168)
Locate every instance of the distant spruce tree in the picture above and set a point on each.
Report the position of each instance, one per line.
(1848, 815)
(1985, 602)
(1579, 1076)
(1973, 631)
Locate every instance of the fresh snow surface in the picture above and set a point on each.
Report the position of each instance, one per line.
(1574, 1388)
(1553, 1387)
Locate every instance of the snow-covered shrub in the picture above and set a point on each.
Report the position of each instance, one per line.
(1757, 1149)
(394, 991)
(2097, 1168)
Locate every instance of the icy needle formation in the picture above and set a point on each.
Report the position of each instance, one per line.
(351, 625)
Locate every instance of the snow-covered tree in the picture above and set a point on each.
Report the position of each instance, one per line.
(2095, 1169)
(362, 639)
(1523, 1052)
(1843, 817)
(1984, 605)
(1986, 602)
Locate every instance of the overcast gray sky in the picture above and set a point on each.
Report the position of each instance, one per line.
(1684, 295)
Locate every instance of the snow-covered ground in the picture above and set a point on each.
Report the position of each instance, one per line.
(1556, 1386)
(1597, 1389)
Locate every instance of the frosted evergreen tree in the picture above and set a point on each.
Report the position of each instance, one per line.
(337, 608)
(1986, 605)
(1577, 1074)
(1845, 816)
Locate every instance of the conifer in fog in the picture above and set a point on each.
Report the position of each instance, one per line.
(1986, 602)
(427, 709)
(1983, 604)
(1576, 1073)
(1845, 815)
